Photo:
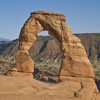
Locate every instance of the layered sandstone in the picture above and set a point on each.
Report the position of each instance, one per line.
(74, 61)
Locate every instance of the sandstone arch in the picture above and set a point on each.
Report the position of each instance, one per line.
(75, 65)
(74, 61)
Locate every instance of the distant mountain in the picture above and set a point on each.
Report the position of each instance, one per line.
(4, 40)
(49, 56)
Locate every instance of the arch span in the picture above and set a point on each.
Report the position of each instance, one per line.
(74, 60)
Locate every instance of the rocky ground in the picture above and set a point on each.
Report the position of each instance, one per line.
(19, 88)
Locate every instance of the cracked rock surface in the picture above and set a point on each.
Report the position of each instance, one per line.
(16, 88)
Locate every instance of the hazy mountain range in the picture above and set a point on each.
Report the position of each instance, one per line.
(4, 40)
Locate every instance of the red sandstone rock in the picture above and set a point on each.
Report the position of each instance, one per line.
(24, 63)
(74, 60)
(14, 69)
(19, 74)
(19, 88)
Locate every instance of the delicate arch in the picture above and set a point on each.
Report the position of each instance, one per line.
(74, 61)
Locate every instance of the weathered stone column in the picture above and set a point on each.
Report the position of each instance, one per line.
(75, 62)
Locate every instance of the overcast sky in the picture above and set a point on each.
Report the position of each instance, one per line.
(82, 15)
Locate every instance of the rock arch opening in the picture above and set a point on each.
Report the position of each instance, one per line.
(43, 33)
(74, 62)
(46, 53)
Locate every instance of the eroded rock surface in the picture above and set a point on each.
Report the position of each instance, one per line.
(20, 88)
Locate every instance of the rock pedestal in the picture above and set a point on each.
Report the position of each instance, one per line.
(24, 65)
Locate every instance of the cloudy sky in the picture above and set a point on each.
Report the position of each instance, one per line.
(83, 16)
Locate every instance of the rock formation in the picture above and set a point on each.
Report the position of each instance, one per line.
(74, 61)
(75, 65)
(20, 88)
